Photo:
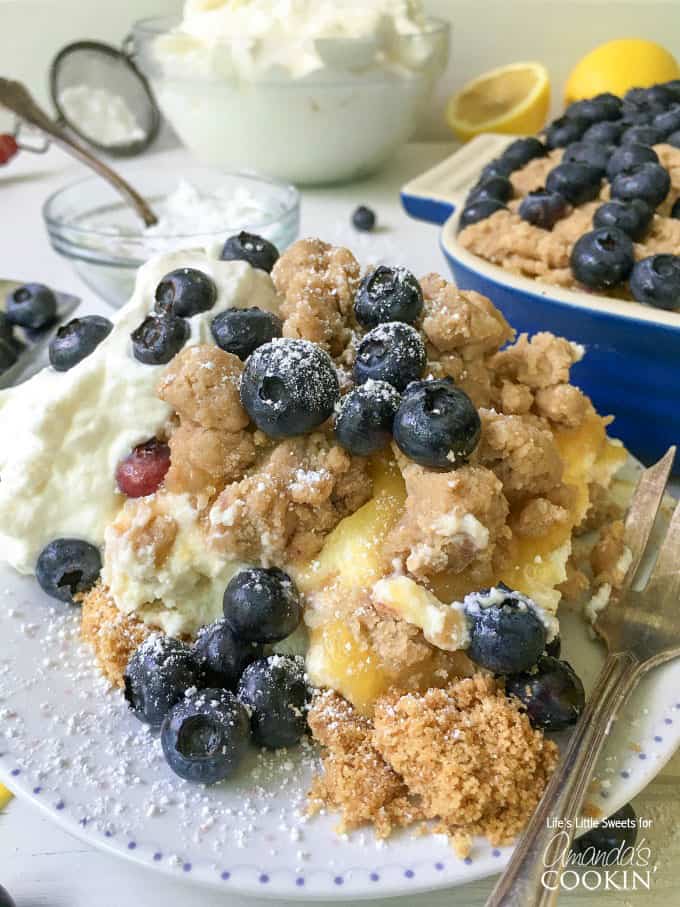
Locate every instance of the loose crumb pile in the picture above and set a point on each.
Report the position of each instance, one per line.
(465, 756)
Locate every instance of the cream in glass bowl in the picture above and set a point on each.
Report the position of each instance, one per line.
(310, 91)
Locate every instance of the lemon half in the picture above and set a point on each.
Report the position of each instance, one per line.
(511, 99)
(619, 65)
(5, 796)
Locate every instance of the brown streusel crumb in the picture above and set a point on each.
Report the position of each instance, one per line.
(114, 636)
(465, 756)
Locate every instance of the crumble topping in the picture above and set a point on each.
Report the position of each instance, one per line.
(318, 282)
(114, 636)
(464, 755)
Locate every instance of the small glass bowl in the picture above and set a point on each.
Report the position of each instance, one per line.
(88, 222)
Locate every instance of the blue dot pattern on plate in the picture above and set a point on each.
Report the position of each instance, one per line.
(299, 881)
(338, 880)
(225, 876)
(264, 878)
(374, 877)
(409, 873)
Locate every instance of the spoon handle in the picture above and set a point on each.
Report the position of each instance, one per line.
(16, 97)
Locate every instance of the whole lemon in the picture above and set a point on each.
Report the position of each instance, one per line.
(619, 65)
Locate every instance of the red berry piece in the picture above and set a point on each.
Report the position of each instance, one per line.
(8, 148)
(142, 471)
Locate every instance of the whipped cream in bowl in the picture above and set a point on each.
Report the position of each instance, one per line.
(197, 208)
(311, 91)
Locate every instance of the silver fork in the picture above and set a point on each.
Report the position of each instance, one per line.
(641, 630)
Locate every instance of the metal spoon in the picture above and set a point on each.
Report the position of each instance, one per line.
(16, 97)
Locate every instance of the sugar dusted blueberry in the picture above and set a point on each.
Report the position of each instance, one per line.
(437, 425)
(68, 567)
(262, 605)
(393, 352)
(205, 736)
(289, 387)
(388, 294)
(365, 416)
(276, 693)
(222, 656)
(158, 675)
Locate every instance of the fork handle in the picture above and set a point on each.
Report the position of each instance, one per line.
(531, 878)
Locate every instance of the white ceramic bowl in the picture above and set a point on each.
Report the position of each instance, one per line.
(336, 124)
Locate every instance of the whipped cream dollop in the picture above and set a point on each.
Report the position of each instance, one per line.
(63, 433)
(256, 38)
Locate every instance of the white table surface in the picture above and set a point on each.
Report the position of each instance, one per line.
(42, 866)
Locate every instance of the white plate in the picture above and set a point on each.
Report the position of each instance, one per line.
(69, 745)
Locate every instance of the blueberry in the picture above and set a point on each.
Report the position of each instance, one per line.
(632, 217)
(674, 139)
(578, 183)
(602, 258)
(607, 843)
(647, 102)
(543, 209)
(74, 341)
(32, 305)
(6, 329)
(673, 89)
(68, 567)
(604, 106)
(437, 424)
(649, 182)
(158, 338)
(241, 331)
(551, 693)
(496, 188)
(668, 121)
(222, 656)
(660, 96)
(596, 156)
(506, 634)
(554, 647)
(392, 352)
(262, 605)
(656, 281)
(158, 675)
(499, 166)
(564, 131)
(185, 292)
(289, 387)
(605, 133)
(388, 294)
(8, 355)
(675, 210)
(480, 210)
(364, 219)
(5, 899)
(365, 416)
(521, 151)
(275, 692)
(628, 156)
(641, 135)
(205, 736)
(257, 251)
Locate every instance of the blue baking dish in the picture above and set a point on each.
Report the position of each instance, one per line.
(631, 369)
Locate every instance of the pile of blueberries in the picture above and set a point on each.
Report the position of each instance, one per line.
(508, 637)
(610, 138)
(210, 699)
(32, 307)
